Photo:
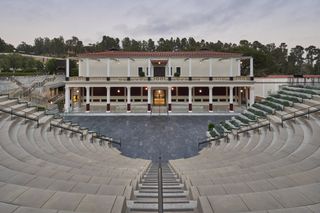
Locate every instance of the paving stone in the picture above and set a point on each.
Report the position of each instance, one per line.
(40, 182)
(64, 201)
(33, 197)
(34, 210)
(292, 210)
(227, 203)
(237, 188)
(86, 188)
(260, 185)
(10, 192)
(7, 208)
(260, 201)
(61, 185)
(211, 190)
(111, 190)
(291, 197)
(96, 204)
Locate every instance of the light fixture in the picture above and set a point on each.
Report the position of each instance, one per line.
(145, 88)
(241, 91)
(118, 91)
(159, 62)
(200, 90)
(159, 91)
(172, 88)
(51, 102)
(240, 62)
(77, 91)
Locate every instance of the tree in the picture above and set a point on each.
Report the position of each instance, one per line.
(296, 59)
(25, 48)
(5, 48)
(151, 47)
(74, 46)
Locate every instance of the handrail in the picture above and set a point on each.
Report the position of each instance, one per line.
(225, 136)
(299, 113)
(166, 78)
(239, 131)
(20, 114)
(104, 138)
(66, 128)
(160, 188)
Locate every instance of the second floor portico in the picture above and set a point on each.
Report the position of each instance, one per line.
(163, 66)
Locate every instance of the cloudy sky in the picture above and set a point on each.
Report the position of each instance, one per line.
(291, 21)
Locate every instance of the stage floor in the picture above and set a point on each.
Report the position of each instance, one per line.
(148, 136)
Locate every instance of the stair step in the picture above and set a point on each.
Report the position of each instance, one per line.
(152, 194)
(183, 206)
(142, 186)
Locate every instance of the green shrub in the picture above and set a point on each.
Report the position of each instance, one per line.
(225, 125)
(213, 134)
(294, 94)
(245, 121)
(251, 117)
(285, 97)
(263, 108)
(272, 105)
(219, 129)
(210, 126)
(256, 112)
(234, 123)
(282, 102)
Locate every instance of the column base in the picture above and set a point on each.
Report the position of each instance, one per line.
(149, 107)
(210, 107)
(87, 107)
(169, 107)
(128, 107)
(190, 108)
(108, 108)
(231, 107)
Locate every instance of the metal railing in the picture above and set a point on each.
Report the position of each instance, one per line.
(176, 79)
(59, 125)
(160, 187)
(210, 140)
(19, 113)
(300, 112)
(102, 138)
(259, 124)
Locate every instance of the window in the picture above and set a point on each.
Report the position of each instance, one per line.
(178, 70)
(140, 72)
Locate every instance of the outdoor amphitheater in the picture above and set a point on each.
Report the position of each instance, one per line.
(264, 159)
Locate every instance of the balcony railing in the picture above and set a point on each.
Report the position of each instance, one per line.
(160, 79)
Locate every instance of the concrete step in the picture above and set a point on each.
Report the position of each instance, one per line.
(174, 206)
(167, 194)
(178, 186)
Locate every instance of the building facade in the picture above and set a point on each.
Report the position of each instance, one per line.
(116, 81)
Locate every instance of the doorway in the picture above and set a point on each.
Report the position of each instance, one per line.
(159, 97)
(159, 71)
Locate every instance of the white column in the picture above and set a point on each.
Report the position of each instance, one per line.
(252, 95)
(149, 67)
(239, 67)
(128, 99)
(169, 94)
(210, 98)
(190, 99)
(210, 94)
(149, 99)
(67, 68)
(190, 67)
(87, 98)
(108, 67)
(87, 68)
(231, 68)
(231, 98)
(210, 67)
(251, 67)
(108, 95)
(108, 99)
(169, 67)
(67, 99)
(128, 95)
(129, 71)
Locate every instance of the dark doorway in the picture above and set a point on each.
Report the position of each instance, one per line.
(159, 71)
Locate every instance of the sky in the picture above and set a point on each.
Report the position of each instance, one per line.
(295, 22)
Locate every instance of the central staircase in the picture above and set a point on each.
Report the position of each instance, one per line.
(175, 195)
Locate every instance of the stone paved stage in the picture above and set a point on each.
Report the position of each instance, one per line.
(145, 136)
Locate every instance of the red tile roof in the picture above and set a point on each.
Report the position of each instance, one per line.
(178, 54)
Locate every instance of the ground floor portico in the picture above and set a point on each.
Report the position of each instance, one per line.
(157, 98)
